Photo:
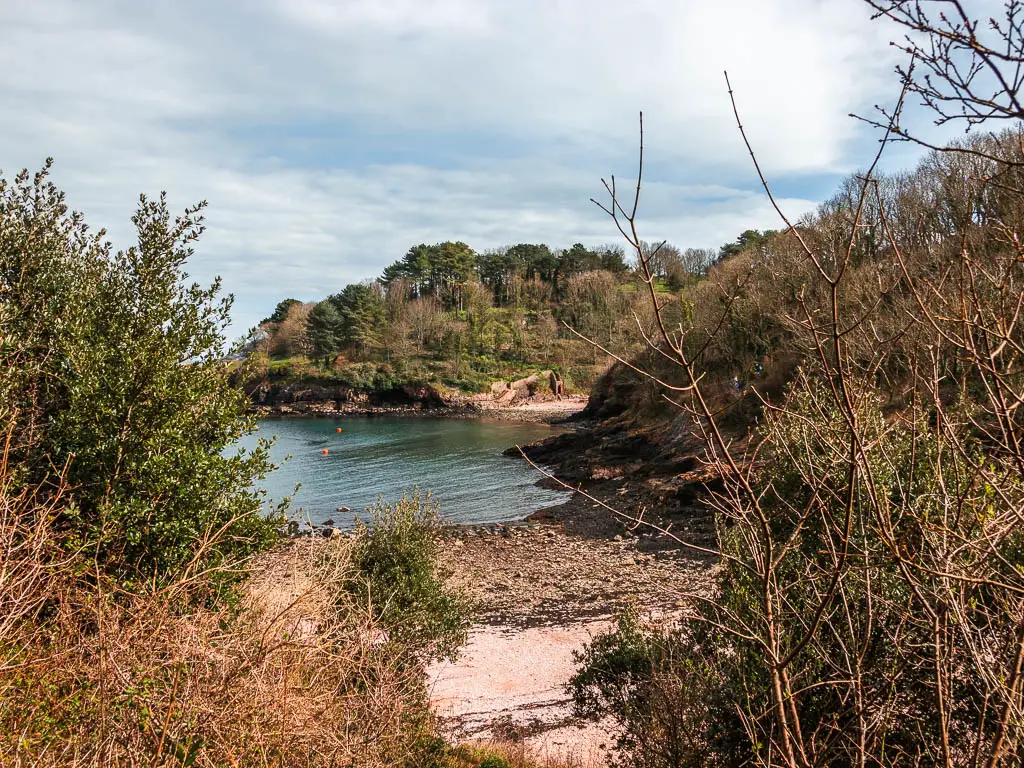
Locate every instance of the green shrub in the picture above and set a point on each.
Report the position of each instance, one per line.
(113, 384)
(661, 689)
(396, 555)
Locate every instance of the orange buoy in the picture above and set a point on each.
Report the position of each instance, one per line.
(339, 429)
(324, 451)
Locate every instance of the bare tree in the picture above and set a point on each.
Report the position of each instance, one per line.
(871, 532)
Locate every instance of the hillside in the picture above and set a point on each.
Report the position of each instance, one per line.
(454, 321)
(834, 414)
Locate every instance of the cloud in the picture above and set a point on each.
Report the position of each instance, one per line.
(328, 137)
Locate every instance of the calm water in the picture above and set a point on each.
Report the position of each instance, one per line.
(460, 461)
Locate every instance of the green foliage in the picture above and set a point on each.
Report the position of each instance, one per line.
(348, 321)
(362, 314)
(912, 473)
(661, 689)
(613, 665)
(750, 238)
(435, 270)
(494, 761)
(478, 315)
(396, 555)
(325, 329)
(281, 310)
(111, 374)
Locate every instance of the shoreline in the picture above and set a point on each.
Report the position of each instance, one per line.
(535, 411)
(543, 588)
(541, 594)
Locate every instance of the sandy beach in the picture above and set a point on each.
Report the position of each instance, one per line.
(541, 594)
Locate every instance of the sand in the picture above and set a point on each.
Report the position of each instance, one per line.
(541, 594)
(509, 684)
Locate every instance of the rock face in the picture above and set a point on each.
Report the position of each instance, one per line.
(533, 384)
(314, 399)
(271, 395)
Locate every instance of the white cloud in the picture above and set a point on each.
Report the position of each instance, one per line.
(507, 115)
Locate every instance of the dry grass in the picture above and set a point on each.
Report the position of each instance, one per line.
(503, 754)
(293, 673)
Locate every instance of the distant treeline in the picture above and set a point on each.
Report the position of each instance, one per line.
(448, 312)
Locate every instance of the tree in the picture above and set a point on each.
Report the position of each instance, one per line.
(965, 70)
(281, 311)
(661, 257)
(424, 317)
(112, 383)
(750, 238)
(325, 330)
(868, 513)
(592, 305)
(436, 270)
(451, 266)
(537, 261)
(290, 337)
(414, 267)
(498, 269)
(696, 261)
(361, 312)
(477, 300)
(575, 260)
(613, 259)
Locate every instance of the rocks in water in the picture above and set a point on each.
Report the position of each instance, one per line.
(341, 509)
(327, 523)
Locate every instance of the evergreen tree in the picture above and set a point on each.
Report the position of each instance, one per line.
(325, 330)
(112, 383)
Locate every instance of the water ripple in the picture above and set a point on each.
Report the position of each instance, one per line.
(460, 461)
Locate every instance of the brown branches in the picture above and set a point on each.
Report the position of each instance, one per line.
(963, 69)
(871, 531)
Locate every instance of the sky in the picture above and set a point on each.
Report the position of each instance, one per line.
(329, 136)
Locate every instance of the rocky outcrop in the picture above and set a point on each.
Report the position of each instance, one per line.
(531, 385)
(303, 396)
(306, 395)
(630, 464)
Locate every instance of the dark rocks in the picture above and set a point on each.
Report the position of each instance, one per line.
(339, 396)
(539, 575)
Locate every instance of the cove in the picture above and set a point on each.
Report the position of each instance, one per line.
(459, 460)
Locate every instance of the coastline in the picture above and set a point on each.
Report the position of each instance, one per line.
(542, 410)
(545, 587)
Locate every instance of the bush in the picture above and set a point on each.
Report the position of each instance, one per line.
(112, 383)
(396, 557)
(291, 676)
(659, 687)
